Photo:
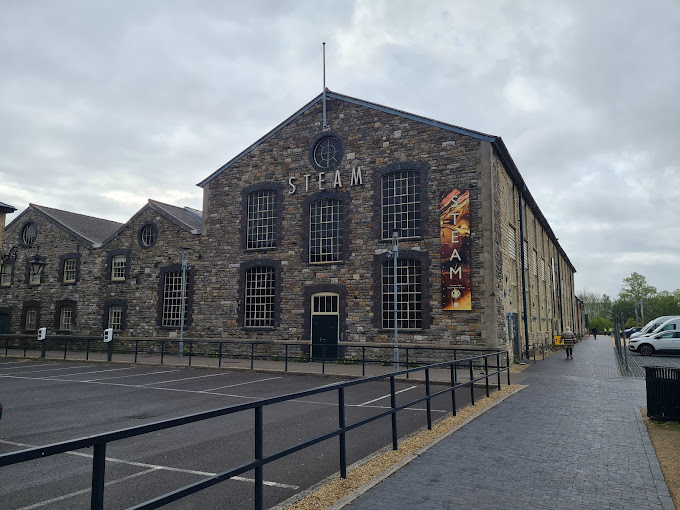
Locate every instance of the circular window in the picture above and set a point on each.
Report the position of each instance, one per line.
(29, 234)
(148, 235)
(326, 152)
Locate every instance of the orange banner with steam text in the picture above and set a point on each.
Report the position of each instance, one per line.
(454, 224)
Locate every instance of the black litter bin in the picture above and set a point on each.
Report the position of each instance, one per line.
(663, 393)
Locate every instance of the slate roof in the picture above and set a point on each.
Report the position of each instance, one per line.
(495, 141)
(6, 208)
(186, 218)
(87, 229)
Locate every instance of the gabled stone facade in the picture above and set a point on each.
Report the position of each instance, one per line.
(370, 144)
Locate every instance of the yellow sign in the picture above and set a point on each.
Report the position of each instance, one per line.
(558, 340)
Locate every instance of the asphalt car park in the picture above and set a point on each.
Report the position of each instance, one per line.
(48, 402)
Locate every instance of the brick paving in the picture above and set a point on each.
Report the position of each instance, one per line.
(573, 439)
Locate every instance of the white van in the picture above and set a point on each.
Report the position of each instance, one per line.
(670, 324)
(652, 325)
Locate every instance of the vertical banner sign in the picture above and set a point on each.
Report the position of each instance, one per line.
(454, 224)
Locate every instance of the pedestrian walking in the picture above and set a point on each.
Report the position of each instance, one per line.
(569, 340)
(594, 331)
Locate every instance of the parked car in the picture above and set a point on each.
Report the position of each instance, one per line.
(653, 324)
(630, 331)
(665, 341)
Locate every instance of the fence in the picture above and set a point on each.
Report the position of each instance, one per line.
(100, 441)
(214, 352)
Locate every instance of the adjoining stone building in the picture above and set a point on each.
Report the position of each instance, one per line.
(294, 243)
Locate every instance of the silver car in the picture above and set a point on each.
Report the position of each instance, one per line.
(665, 341)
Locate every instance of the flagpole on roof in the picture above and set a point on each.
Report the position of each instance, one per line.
(325, 125)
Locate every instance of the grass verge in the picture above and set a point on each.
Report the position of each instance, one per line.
(665, 438)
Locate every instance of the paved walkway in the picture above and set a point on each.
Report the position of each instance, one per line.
(573, 439)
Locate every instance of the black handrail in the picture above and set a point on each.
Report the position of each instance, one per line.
(117, 346)
(100, 441)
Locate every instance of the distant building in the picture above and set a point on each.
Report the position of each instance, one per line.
(295, 239)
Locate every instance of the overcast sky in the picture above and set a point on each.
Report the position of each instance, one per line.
(104, 105)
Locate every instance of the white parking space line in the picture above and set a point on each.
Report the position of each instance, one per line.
(133, 375)
(140, 386)
(156, 467)
(3, 363)
(46, 369)
(185, 379)
(244, 383)
(84, 491)
(386, 396)
(98, 371)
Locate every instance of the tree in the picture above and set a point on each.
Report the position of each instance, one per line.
(635, 288)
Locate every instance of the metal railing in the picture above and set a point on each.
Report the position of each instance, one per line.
(100, 441)
(219, 350)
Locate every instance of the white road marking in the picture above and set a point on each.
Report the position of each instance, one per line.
(386, 396)
(134, 375)
(156, 467)
(140, 386)
(84, 491)
(185, 379)
(244, 383)
(47, 369)
(207, 392)
(98, 371)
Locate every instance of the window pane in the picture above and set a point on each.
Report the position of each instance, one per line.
(409, 294)
(69, 270)
(261, 219)
(115, 317)
(259, 297)
(401, 203)
(65, 318)
(172, 299)
(325, 231)
(118, 264)
(31, 319)
(6, 275)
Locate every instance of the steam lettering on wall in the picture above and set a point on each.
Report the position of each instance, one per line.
(454, 224)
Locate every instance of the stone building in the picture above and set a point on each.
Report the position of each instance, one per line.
(296, 237)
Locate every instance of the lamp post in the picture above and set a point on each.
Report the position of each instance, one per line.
(395, 255)
(185, 253)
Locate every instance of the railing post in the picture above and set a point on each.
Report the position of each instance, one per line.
(453, 388)
(25, 346)
(136, 349)
(486, 373)
(455, 365)
(323, 359)
(219, 359)
(162, 350)
(507, 365)
(109, 353)
(498, 369)
(393, 403)
(98, 471)
(429, 400)
(286, 367)
(341, 424)
(258, 456)
(472, 385)
(363, 361)
(65, 347)
(43, 350)
(191, 350)
(252, 355)
(407, 374)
